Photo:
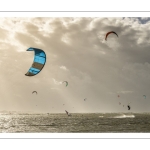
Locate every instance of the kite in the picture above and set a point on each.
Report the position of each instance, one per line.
(66, 83)
(144, 96)
(38, 63)
(34, 92)
(110, 33)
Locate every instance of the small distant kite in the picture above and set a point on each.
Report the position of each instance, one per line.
(38, 63)
(144, 96)
(118, 95)
(34, 92)
(110, 33)
(66, 83)
(85, 99)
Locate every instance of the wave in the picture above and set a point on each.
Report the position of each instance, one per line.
(124, 116)
(100, 116)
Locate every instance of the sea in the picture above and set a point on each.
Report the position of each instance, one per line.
(76, 123)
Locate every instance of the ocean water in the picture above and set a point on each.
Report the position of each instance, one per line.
(77, 123)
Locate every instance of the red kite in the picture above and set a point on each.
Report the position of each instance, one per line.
(110, 33)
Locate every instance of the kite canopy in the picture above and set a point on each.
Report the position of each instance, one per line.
(34, 92)
(110, 33)
(67, 113)
(38, 63)
(66, 83)
(144, 96)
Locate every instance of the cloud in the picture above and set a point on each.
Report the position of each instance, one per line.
(55, 89)
(95, 66)
(63, 68)
(57, 82)
(125, 92)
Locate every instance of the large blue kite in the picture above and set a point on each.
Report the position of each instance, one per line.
(38, 63)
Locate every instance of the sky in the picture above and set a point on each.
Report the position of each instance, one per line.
(76, 52)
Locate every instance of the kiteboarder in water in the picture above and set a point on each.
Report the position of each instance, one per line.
(67, 113)
(129, 107)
